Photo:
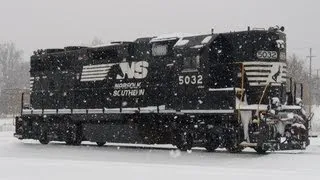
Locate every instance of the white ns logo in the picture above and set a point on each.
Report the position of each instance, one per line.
(137, 70)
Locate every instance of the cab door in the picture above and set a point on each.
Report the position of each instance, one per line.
(190, 83)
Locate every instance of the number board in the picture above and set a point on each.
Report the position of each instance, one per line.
(267, 55)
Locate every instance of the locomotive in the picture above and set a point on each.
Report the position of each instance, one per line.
(227, 90)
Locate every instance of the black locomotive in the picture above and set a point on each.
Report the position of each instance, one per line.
(213, 90)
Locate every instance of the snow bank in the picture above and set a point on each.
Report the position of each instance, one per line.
(6, 124)
(315, 123)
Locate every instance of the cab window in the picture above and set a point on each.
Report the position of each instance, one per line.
(191, 62)
(159, 49)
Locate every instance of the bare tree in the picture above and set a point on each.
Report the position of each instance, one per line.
(296, 69)
(10, 57)
(96, 41)
(13, 77)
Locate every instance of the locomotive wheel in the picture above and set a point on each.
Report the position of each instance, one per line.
(74, 142)
(101, 143)
(68, 142)
(235, 149)
(212, 142)
(233, 140)
(71, 138)
(78, 141)
(44, 139)
(74, 135)
(260, 150)
(234, 146)
(184, 141)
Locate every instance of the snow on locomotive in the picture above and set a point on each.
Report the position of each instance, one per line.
(213, 90)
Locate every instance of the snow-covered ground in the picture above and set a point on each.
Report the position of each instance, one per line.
(6, 120)
(28, 159)
(6, 124)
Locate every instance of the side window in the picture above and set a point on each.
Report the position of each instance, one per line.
(159, 49)
(191, 62)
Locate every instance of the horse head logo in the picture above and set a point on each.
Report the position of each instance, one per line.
(275, 76)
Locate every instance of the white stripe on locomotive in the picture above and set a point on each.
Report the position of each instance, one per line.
(95, 72)
(262, 72)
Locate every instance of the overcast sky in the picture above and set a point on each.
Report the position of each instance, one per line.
(34, 24)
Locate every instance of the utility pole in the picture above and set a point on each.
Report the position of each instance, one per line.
(310, 78)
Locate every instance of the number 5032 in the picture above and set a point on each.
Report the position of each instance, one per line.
(193, 79)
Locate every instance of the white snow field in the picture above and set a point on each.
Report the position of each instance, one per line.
(28, 159)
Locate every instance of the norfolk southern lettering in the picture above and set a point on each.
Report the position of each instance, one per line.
(129, 92)
(128, 89)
